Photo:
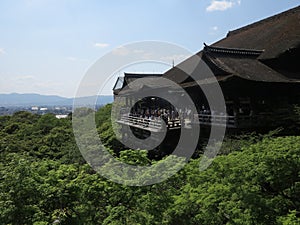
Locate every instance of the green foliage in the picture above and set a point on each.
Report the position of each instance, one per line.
(238, 142)
(105, 129)
(254, 186)
(135, 157)
(103, 115)
(44, 180)
(289, 219)
(25, 117)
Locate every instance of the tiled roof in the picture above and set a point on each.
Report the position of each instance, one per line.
(274, 35)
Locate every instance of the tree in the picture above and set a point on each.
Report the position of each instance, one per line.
(255, 186)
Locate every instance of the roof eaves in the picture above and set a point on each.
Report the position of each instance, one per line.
(233, 51)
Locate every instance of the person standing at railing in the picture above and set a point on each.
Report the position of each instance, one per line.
(158, 113)
(165, 117)
(172, 115)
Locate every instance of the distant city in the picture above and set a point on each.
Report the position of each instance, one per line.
(59, 111)
(42, 104)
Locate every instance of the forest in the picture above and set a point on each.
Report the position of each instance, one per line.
(44, 180)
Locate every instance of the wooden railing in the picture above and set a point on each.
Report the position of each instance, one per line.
(174, 124)
(156, 124)
(240, 121)
(139, 122)
(219, 120)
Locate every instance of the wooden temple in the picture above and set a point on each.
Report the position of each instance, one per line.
(257, 68)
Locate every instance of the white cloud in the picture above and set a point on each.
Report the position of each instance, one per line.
(24, 78)
(221, 5)
(26, 83)
(29, 84)
(215, 28)
(101, 45)
(2, 51)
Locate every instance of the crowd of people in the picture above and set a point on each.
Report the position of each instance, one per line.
(168, 115)
(165, 114)
(171, 115)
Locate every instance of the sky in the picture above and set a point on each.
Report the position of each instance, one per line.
(47, 46)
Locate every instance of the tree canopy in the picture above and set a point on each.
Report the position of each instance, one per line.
(45, 180)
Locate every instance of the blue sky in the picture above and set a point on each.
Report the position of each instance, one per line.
(46, 46)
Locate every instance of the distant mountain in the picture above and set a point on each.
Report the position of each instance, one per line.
(16, 99)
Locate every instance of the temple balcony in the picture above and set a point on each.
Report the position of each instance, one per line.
(204, 120)
(215, 120)
(158, 125)
(152, 125)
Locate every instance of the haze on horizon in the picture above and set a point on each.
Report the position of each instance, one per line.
(47, 46)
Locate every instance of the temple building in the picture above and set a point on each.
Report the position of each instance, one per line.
(257, 68)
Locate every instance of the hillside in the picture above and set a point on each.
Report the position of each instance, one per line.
(45, 180)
